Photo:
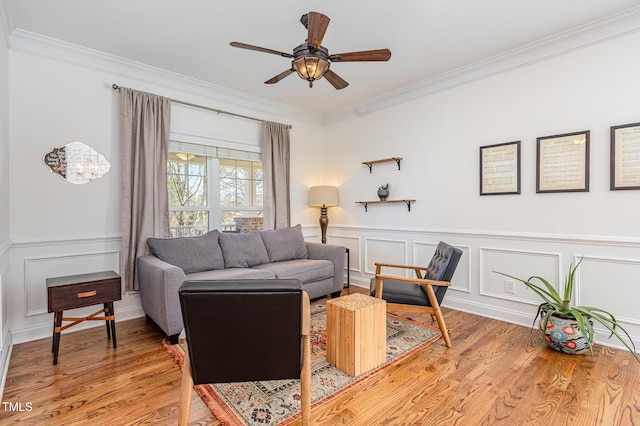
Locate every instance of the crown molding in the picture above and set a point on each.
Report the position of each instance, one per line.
(50, 48)
(613, 26)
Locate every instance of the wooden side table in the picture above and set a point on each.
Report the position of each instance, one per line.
(78, 291)
(356, 333)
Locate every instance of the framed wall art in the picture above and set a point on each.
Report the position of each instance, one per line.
(562, 163)
(500, 169)
(625, 156)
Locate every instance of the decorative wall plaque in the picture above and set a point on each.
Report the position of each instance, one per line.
(76, 162)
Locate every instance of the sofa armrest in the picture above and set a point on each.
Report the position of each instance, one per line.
(332, 253)
(159, 284)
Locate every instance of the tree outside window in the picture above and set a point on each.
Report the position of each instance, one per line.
(234, 186)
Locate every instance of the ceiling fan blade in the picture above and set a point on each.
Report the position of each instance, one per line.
(365, 55)
(335, 80)
(280, 76)
(316, 27)
(260, 49)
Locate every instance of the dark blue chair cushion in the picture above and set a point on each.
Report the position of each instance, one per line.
(441, 268)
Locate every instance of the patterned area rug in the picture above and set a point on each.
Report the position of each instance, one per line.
(277, 402)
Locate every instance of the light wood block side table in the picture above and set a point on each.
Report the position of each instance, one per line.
(356, 333)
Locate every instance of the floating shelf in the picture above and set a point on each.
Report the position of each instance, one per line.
(385, 160)
(366, 203)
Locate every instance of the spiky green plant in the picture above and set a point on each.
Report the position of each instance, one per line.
(554, 303)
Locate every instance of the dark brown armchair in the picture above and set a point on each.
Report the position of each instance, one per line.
(423, 293)
(245, 330)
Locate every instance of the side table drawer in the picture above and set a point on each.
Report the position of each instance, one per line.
(80, 295)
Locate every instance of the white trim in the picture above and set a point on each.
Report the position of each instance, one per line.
(28, 261)
(47, 47)
(613, 26)
(481, 272)
(387, 240)
(4, 246)
(616, 25)
(43, 331)
(47, 243)
(602, 259)
(600, 240)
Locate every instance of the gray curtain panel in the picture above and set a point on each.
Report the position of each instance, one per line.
(144, 130)
(275, 167)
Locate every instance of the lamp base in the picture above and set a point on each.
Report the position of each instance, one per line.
(324, 221)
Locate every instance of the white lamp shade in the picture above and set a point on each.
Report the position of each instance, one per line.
(323, 196)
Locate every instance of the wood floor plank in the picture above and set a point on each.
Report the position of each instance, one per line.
(495, 374)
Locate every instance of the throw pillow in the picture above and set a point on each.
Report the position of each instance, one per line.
(191, 254)
(285, 244)
(243, 250)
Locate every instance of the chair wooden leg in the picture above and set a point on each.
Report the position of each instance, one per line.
(305, 382)
(186, 391)
(438, 313)
(305, 373)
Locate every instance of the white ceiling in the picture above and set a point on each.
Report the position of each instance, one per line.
(428, 39)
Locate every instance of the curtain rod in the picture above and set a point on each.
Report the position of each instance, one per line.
(219, 111)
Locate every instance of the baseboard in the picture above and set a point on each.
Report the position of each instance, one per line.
(43, 331)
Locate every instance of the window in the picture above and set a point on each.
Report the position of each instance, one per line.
(240, 194)
(207, 192)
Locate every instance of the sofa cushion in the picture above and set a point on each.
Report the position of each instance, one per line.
(232, 274)
(191, 254)
(306, 270)
(243, 250)
(285, 244)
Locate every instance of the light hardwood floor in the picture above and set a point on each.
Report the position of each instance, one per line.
(495, 373)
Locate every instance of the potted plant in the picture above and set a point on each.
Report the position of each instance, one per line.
(383, 192)
(568, 328)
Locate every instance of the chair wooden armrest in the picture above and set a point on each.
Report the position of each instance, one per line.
(418, 269)
(419, 281)
(391, 265)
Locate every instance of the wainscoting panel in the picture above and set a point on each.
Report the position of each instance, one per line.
(3, 301)
(385, 251)
(608, 276)
(518, 263)
(31, 263)
(606, 283)
(38, 269)
(353, 244)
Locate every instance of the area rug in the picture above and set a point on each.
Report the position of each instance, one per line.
(277, 402)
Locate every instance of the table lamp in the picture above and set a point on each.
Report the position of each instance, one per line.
(323, 197)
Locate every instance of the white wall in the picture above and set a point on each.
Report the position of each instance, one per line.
(439, 137)
(59, 228)
(4, 205)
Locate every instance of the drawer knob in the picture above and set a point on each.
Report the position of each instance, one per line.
(86, 294)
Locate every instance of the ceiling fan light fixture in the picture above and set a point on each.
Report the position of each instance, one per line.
(310, 68)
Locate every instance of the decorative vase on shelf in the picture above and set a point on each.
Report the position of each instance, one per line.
(383, 192)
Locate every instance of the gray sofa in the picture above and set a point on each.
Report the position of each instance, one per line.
(281, 254)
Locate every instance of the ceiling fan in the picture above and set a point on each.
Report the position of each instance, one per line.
(311, 60)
